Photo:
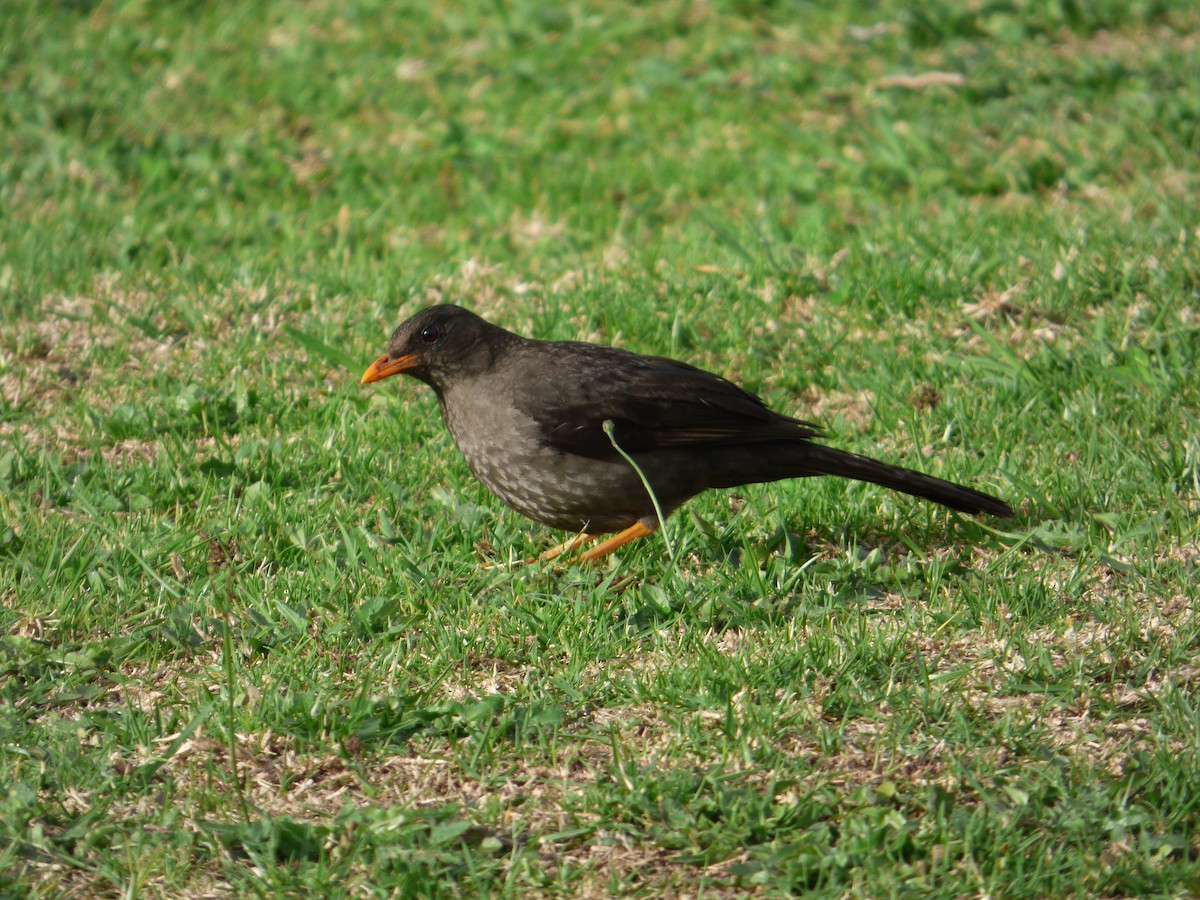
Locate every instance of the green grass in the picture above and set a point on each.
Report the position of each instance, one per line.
(247, 645)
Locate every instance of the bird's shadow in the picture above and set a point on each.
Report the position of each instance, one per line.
(763, 565)
(736, 578)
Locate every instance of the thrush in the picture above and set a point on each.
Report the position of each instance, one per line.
(537, 422)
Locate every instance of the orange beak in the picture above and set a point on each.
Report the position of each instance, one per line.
(386, 368)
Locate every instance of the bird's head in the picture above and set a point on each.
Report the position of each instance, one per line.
(439, 343)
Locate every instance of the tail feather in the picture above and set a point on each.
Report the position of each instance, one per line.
(821, 460)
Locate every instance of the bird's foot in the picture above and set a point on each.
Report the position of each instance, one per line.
(568, 546)
(620, 539)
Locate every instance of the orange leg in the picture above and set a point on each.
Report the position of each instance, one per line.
(620, 539)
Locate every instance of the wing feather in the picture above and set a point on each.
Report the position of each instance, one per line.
(653, 402)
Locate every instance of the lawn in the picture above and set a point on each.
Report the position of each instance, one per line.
(249, 645)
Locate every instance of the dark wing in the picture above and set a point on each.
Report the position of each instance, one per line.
(654, 403)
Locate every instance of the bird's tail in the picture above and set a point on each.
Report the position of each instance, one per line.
(821, 460)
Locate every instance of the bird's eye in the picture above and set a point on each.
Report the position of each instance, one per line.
(431, 335)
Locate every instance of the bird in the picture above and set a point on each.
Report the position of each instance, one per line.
(550, 428)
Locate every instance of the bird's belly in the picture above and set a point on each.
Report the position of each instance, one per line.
(505, 451)
(563, 491)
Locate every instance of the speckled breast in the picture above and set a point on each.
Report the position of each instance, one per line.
(505, 451)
